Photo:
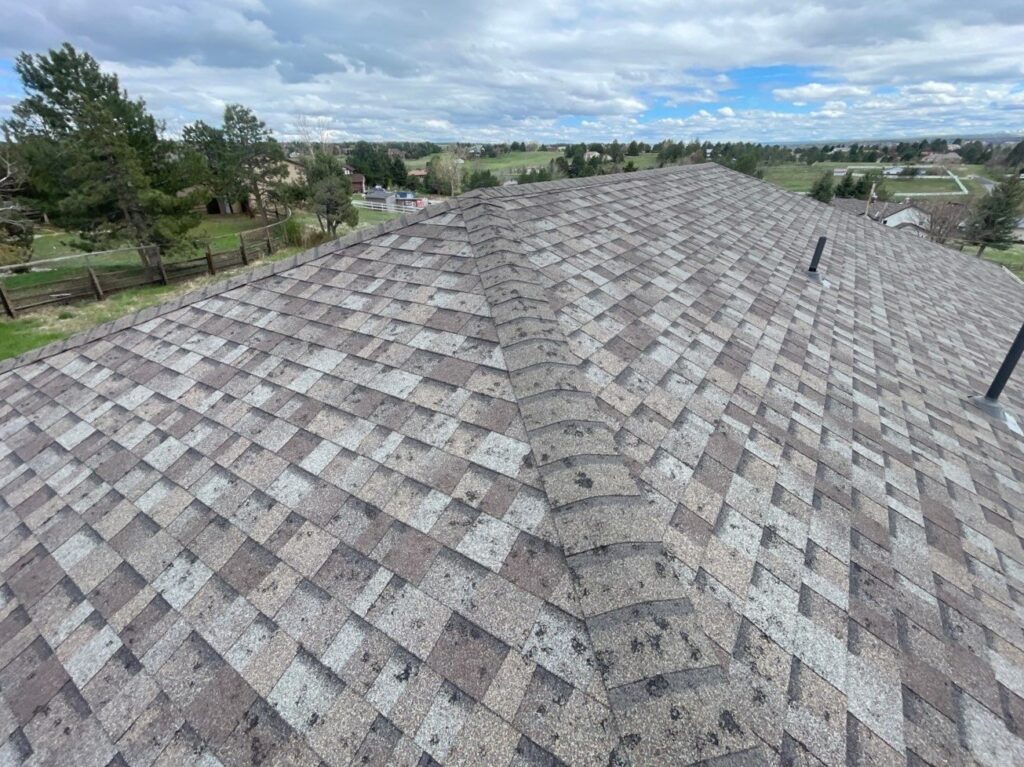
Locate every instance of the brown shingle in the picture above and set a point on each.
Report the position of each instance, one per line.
(588, 470)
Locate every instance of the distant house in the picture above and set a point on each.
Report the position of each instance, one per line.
(383, 197)
(588, 156)
(942, 158)
(417, 173)
(840, 171)
(358, 182)
(409, 201)
(897, 215)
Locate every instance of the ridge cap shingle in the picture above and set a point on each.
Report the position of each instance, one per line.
(625, 578)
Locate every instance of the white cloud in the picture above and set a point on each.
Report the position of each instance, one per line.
(803, 94)
(553, 70)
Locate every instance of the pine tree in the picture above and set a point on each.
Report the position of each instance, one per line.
(97, 162)
(253, 153)
(822, 188)
(995, 215)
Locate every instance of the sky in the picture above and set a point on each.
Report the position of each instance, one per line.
(553, 70)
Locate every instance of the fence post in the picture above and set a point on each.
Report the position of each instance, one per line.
(241, 250)
(209, 260)
(270, 243)
(8, 306)
(95, 284)
(160, 266)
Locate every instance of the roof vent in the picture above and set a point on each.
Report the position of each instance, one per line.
(812, 270)
(990, 402)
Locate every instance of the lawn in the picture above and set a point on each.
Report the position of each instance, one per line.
(900, 186)
(57, 322)
(507, 164)
(1012, 258)
(798, 177)
(53, 323)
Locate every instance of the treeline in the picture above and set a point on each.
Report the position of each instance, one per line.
(81, 154)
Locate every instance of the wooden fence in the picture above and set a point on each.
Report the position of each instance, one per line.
(94, 276)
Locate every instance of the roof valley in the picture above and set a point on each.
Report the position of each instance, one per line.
(632, 591)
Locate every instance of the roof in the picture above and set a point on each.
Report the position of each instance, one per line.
(379, 193)
(876, 211)
(584, 472)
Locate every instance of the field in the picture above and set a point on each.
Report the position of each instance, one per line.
(939, 184)
(513, 161)
(798, 177)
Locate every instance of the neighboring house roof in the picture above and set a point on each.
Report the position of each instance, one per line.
(379, 193)
(876, 211)
(582, 472)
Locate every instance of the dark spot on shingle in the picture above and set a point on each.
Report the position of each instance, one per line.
(657, 686)
(728, 722)
(582, 480)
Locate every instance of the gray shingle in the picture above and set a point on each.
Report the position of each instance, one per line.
(559, 473)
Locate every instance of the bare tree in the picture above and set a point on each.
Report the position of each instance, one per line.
(314, 134)
(16, 225)
(944, 218)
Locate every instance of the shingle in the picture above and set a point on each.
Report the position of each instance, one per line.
(715, 511)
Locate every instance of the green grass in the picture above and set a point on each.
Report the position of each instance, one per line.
(798, 177)
(899, 186)
(505, 165)
(54, 323)
(18, 336)
(1012, 258)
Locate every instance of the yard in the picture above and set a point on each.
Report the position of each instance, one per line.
(514, 161)
(1012, 258)
(58, 322)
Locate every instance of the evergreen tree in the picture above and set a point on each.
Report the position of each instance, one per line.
(97, 162)
(822, 188)
(218, 170)
(994, 216)
(253, 154)
(479, 179)
(399, 175)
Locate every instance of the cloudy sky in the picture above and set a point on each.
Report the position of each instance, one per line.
(766, 70)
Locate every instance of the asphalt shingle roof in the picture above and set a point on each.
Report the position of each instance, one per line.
(584, 472)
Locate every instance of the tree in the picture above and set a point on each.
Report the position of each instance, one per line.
(16, 224)
(616, 151)
(373, 162)
(326, 189)
(332, 203)
(399, 175)
(822, 188)
(479, 179)
(994, 216)
(943, 219)
(633, 150)
(1015, 159)
(252, 153)
(444, 174)
(218, 167)
(96, 161)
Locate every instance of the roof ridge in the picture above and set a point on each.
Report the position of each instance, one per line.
(223, 286)
(607, 179)
(628, 584)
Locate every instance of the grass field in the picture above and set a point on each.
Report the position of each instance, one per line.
(517, 160)
(899, 186)
(798, 177)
